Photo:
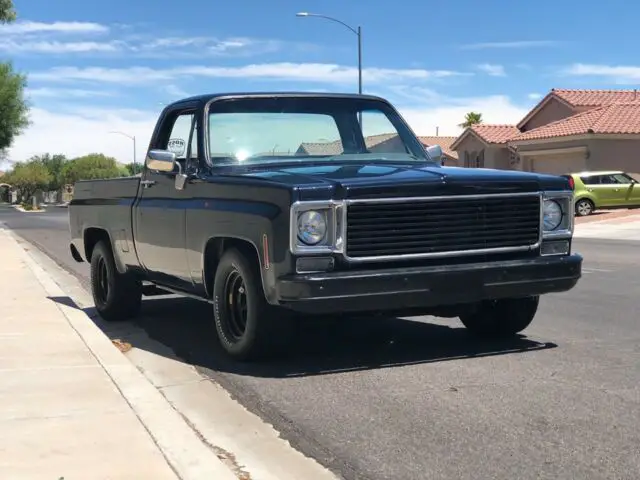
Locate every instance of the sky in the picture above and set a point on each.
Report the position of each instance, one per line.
(100, 67)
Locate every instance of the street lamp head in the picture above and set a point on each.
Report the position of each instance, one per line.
(302, 14)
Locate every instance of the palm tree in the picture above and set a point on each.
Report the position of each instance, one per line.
(471, 118)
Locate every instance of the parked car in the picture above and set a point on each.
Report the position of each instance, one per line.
(608, 189)
(275, 207)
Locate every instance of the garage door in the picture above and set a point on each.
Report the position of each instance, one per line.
(559, 164)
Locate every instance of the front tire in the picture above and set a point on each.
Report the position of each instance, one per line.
(116, 296)
(501, 318)
(248, 327)
(584, 207)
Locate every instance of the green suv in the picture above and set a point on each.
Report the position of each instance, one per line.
(610, 189)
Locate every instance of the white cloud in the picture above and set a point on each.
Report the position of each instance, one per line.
(491, 69)
(50, 47)
(310, 72)
(28, 27)
(52, 38)
(511, 44)
(85, 130)
(175, 92)
(621, 74)
(63, 93)
(534, 96)
(447, 115)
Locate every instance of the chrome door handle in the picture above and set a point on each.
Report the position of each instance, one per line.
(147, 183)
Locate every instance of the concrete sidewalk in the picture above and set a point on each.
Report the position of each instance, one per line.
(622, 225)
(72, 405)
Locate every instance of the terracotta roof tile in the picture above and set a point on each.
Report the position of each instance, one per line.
(324, 148)
(495, 133)
(609, 119)
(444, 142)
(596, 98)
(335, 147)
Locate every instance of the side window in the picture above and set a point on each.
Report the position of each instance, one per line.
(620, 178)
(379, 134)
(180, 138)
(587, 180)
(594, 180)
(609, 180)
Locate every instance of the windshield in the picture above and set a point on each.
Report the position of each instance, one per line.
(261, 130)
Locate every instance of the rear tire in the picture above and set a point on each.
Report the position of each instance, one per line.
(248, 327)
(117, 296)
(584, 207)
(501, 318)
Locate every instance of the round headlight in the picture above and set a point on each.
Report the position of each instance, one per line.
(552, 215)
(312, 227)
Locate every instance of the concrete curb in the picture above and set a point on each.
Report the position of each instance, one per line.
(189, 457)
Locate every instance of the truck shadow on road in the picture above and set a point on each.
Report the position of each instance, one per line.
(319, 346)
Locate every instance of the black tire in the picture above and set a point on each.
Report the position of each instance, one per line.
(584, 207)
(117, 296)
(248, 327)
(501, 318)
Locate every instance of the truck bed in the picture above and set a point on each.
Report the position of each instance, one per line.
(105, 204)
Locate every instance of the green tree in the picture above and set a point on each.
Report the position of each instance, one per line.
(27, 178)
(7, 11)
(13, 107)
(471, 118)
(91, 167)
(53, 164)
(133, 169)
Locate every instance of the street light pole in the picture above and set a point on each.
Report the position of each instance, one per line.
(359, 60)
(357, 31)
(131, 137)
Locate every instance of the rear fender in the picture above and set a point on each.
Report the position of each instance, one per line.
(91, 237)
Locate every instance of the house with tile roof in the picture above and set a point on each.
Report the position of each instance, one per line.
(567, 131)
(385, 142)
(450, 156)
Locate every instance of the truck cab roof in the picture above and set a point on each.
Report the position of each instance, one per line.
(204, 98)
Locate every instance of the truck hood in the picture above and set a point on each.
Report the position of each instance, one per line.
(369, 180)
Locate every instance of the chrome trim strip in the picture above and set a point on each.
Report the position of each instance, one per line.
(451, 253)
(441, 197)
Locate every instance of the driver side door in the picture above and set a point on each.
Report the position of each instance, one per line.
(160, 214)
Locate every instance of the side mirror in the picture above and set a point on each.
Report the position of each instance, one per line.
(160, 160)
(435, 152)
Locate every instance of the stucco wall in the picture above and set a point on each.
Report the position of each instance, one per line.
(552, 111)
(393, 145)
(495, 156)
(617, 154)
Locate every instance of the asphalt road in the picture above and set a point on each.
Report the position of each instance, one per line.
(415, 399)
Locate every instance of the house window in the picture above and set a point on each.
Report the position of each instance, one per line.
(478, 160)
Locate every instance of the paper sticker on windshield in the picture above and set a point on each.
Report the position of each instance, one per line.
(176, 145)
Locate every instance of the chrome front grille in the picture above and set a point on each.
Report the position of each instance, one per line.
(441, 226)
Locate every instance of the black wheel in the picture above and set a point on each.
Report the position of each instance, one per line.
(499, 318)
(584, 207)
(116, 296)
(247, 326)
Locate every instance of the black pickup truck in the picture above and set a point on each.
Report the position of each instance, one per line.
(277, 206)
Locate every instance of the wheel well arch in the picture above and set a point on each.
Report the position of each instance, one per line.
(585, 197)
(91, 237)
(215, 248)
